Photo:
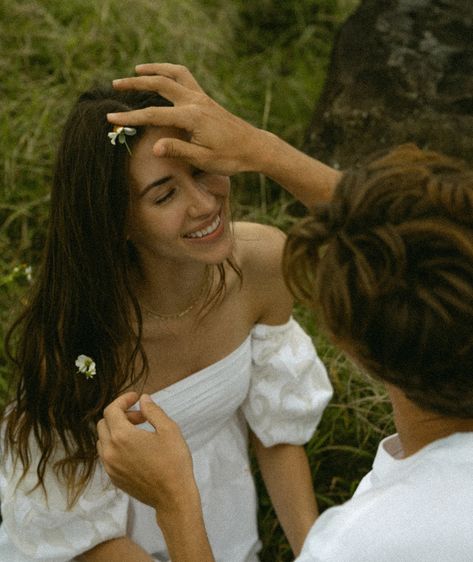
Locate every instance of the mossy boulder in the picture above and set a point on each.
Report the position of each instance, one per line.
(401, 71)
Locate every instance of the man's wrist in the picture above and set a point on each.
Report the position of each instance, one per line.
(260, 151)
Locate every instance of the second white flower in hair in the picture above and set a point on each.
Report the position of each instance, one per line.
(87, 366)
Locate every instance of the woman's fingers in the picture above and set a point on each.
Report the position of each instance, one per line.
(115, 413)
(155, 415)
(103, 431)
(135, 417)
(177, 72)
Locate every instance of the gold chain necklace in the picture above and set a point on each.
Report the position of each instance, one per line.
(176, 315)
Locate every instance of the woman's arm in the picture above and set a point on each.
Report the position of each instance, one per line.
(156, 468)
(116, 550)
(284, 467)
(286, 474)
(219, 141)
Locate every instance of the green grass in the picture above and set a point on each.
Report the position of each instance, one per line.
(264, 60)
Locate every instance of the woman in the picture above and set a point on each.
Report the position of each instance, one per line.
(148, 285)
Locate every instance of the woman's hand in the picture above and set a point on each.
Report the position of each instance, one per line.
(154, 467)
(219, 142)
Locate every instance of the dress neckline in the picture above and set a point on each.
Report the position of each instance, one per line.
(259, 330)
(206, 371)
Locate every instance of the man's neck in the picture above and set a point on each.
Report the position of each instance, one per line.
(418, 427)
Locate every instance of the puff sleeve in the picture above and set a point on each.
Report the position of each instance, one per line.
(289, 386)
(36, 527)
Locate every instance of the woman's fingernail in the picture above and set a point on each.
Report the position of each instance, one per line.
(117, 81)
(111, 115)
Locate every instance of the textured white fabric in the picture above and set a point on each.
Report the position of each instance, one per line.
(36, 528)
(415, 509)
(274, 373)
(286, 399)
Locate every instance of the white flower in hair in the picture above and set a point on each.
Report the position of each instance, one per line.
(87, 366)
(120, 134)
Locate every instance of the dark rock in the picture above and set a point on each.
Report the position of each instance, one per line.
(401, 71)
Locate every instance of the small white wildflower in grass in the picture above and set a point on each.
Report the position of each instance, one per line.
(29, 273)
(120, 134)
(18, 273)
(86, 365)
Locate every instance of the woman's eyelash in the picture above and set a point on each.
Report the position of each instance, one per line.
(165, 198)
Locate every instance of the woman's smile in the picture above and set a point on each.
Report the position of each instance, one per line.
(208, 232)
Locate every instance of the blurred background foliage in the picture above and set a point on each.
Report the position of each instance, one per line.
(264, 60)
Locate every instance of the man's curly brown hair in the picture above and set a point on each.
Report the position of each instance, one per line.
(388, 267)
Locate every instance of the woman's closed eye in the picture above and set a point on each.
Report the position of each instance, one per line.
(163, 198)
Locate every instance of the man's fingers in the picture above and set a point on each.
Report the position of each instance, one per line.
(167, 87)
(177, 72)
(179, 117)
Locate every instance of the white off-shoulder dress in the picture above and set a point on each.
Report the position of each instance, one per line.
(274, 382)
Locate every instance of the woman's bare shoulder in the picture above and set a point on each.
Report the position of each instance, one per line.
(259, 249)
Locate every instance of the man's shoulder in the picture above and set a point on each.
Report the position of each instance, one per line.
(423, 514)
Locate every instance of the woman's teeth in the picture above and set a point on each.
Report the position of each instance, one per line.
(206, 231)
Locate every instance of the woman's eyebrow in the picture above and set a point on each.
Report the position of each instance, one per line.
(155, 183)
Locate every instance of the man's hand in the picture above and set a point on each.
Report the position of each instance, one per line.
(219, 143)
(154, 467)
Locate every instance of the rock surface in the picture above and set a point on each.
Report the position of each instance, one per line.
(401, 70)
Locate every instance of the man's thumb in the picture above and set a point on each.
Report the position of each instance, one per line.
(177, 148)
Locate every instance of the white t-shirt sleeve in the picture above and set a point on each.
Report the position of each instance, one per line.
(44, 528)
(289, 386)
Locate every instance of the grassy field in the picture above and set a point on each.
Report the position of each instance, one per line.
(264, 60)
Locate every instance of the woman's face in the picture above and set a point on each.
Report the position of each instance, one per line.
(177, 213)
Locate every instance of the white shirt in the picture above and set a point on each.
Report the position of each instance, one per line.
(417, 509)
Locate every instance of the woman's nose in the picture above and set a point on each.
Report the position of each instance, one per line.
(201, 201)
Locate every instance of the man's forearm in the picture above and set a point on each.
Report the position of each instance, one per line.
(307, 179)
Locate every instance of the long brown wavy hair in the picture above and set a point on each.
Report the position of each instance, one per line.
(82, 301)
(388, 267)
